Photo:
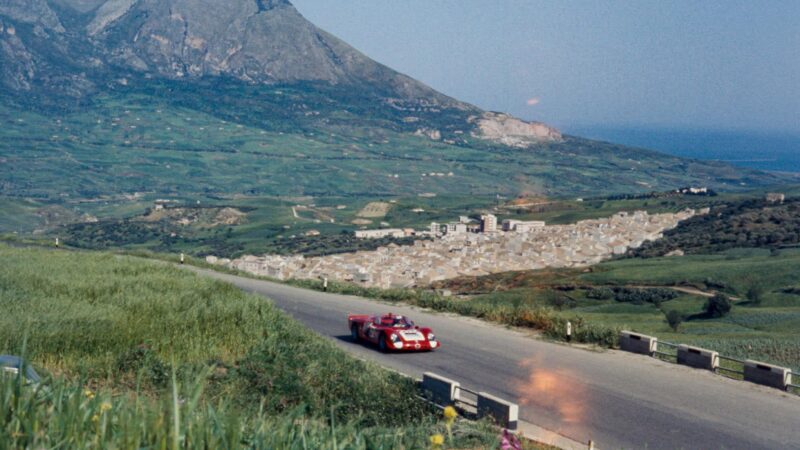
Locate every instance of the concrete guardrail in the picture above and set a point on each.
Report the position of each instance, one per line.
(638, 343)
(698, 357)
(504, 413)
(767, 374)
(442, 391)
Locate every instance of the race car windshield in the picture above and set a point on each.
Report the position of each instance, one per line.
(402, 322)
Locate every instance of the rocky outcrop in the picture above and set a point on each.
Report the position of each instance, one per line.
(35, 12)
(107, 14)
(432, 134)
(509, 130)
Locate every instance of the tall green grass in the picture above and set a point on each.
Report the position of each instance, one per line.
(67, 416)
(85, 310)
(143, 355)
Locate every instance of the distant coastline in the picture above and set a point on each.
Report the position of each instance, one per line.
(758, 150)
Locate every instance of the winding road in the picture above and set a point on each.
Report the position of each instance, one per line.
(616, 399)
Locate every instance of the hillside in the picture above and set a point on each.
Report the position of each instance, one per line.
(135, 354)
(102, 100)
(751, 223)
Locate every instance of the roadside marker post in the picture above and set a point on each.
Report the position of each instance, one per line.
(182, 258)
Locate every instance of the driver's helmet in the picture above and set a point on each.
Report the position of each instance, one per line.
(399, 322)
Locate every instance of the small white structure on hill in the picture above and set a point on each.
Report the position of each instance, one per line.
(522, 226)
(774, 197)
(382, 233)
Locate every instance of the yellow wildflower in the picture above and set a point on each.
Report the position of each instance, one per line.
(89, 394)
(450, 414)
(96, 418)
(437, 440)
(105, 406)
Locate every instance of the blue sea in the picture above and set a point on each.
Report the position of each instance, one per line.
(759, 150)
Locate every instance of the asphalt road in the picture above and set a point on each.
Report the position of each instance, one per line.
(616, 399)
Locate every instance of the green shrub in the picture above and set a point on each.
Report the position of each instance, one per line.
(755, 294)
(600, 293)
(639, 296)
(674, 319)
(718, 306)
(145, 363)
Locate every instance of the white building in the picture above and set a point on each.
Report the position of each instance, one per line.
(376, 234)
(456, 228)
(522, 226)
(488, 223)
(435, 229)
(774, 197)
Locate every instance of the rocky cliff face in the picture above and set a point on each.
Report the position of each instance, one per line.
(513, 132)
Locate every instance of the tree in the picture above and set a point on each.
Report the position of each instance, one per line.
(755, 294)
(674, 319)
(718, 306)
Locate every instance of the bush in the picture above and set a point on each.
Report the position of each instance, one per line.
(674, 319)
(143, 362)
(640, 296)
(755, 294)
(718, 306)
(600, 294)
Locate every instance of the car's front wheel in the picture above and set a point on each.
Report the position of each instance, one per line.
(382, 343)
(354, 333)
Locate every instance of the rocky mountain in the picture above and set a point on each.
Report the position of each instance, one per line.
(77, 48)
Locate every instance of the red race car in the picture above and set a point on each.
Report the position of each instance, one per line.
(391, 332)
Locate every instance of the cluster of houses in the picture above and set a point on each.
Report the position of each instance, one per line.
(486, 224)
(457, 252)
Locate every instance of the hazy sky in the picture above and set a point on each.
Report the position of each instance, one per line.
(674, 63)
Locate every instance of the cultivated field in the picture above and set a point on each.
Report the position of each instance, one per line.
(375, 210)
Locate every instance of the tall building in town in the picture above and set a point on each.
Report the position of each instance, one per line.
(488, 223)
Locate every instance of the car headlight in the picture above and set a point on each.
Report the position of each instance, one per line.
(394, 337)
(431, 337)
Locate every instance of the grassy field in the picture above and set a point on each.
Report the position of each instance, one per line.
(144, 355)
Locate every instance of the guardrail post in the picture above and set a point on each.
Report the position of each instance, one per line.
(442, 391)
(698, 357)
(505, 413)
(637, 343)
(767, 374)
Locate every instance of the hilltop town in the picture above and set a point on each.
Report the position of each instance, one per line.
(467, 249)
